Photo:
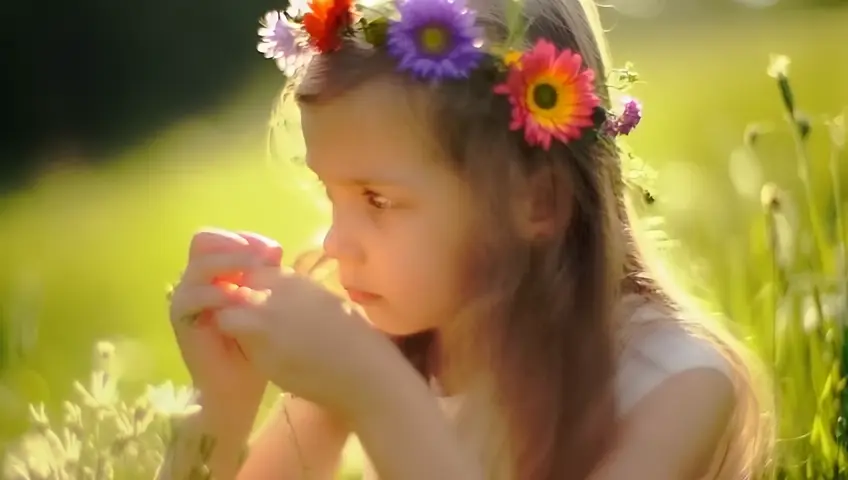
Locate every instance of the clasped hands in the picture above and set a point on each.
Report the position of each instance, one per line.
(287, 328)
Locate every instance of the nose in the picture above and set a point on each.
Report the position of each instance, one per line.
(341, 245)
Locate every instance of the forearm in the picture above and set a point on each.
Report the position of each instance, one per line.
(301, 440)
(201, 446)
(405, 434)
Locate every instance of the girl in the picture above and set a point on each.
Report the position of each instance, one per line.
(479, 223)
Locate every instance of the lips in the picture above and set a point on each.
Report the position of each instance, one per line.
(361, 297)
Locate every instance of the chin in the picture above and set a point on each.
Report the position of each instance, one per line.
(394, 325)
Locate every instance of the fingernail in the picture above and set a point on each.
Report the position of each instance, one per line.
(255, 297)
(245, 294)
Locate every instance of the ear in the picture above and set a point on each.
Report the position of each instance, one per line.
(542, 205)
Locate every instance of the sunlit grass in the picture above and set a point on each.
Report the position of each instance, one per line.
(97, 248)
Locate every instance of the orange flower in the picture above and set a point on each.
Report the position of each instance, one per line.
(552, 95)
(325, 22)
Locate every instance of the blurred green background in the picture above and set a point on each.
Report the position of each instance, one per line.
(153, 123)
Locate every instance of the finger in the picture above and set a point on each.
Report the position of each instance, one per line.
(308, 263)
(239, 322)
(206, 268)
(269, 249)
(263, 278)
(189, 301)
(326, 272)
(214, 240)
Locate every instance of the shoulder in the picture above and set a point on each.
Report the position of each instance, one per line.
(677, 399)
(677, 430)
(656, 348)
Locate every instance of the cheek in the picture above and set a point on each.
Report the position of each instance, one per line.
(424, 268)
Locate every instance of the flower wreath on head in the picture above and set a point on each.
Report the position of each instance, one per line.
(551, 91)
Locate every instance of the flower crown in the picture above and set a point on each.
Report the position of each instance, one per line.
(551, 92)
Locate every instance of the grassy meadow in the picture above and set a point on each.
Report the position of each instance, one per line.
(87, 252)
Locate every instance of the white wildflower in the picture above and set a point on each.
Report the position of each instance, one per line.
(71, 447)
(104, 355)
(14, 468)
(779, 66)
(32, 458)
(72, 415)
(836, 128)
(168, 401)
(38, 417)
(104, 436)
(102, 391)
(297, 8)
(832, 308)
(133, 421)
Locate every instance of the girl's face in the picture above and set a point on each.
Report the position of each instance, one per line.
(401, 217)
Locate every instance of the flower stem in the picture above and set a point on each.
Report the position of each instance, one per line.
(804, 175)
(776, 282)
(837, 200)
(842, 276)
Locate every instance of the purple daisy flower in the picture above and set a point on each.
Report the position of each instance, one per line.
(435, 39)
(282, 42)
(630, 117)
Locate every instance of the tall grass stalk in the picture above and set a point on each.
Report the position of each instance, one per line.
(807, 302)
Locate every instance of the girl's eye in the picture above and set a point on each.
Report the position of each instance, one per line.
(377, 201)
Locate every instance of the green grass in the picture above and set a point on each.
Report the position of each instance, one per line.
(87, 252)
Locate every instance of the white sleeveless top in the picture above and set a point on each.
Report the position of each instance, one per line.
(646, 360)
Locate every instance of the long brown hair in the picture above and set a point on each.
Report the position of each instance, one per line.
(544, 320)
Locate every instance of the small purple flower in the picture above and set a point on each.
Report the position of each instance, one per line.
(435, 39)
(625, 123)
(282, 42)
(630, 117)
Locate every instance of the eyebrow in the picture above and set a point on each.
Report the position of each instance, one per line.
(381, 180)
(377, 181)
